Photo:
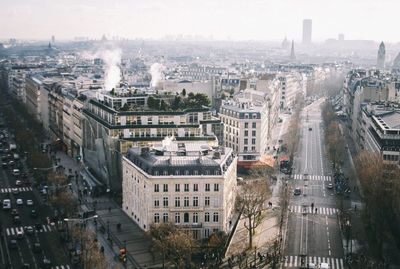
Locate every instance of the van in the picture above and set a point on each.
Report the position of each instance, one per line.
(6, 204)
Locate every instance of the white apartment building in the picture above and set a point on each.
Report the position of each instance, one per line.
(189, 184)
(246, 124)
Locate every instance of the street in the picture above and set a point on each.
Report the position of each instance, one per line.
(32, 247)
(312, 234)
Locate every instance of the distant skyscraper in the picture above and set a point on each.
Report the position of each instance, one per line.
(307, 31)
(53, 39)
(292, 55)
(285, 44)
(380, 63)
(341, 37)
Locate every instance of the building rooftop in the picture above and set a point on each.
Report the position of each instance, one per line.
(173, 158)
(390, 120)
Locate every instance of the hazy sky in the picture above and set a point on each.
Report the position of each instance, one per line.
(237, 19)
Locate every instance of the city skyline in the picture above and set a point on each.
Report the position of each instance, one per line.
(236, 20)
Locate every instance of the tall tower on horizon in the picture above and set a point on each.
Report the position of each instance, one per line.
(292, 55)
(380, 62)
(307, 31)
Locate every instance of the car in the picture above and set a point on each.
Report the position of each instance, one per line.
(329, 186)
(20, 202)
(310, 129)
(4, 164)
(12, 244)
(16, 172)
(29, 230)
(29, 202)
(34, 213)
(17, 220)
(14, 212)
(24, 175)
(18, 183)
(15, 190)
(297, 191)
(26, 266)
(20, 233)
(38, 226)
(37, 247)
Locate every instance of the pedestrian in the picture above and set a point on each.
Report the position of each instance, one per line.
(355, 207)
(316, 209)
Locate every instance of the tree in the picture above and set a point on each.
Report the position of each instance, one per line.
(90, 254)
(251, 200)
(64, 202)
(217, 245)
(180, 247)
(159, 234)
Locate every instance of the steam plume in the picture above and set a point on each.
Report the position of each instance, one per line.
(111, 58)
(156, 71)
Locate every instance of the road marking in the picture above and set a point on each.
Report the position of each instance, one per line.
(321, 210)
(295, 261)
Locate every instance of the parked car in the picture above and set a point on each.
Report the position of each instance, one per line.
(297, 191)
(20, 202)
(29, 202)
(12, 244)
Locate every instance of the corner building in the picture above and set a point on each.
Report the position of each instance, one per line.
(189, 184)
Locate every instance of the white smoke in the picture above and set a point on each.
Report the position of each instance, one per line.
(112, 59)
(156, 71)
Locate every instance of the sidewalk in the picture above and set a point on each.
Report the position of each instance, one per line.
(109, 215)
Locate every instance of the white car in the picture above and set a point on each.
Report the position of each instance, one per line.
(29, 202)
(20, 202)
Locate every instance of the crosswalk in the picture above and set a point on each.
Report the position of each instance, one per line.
(320, 210)
(20, 189)
(61, 267)
(312, 177)
(295, 261)
(44, 228)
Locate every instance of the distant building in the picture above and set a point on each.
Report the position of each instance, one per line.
(189, 184)
(292, 54)
(341, 37)
(285, 44)
(380, 63)
(307, 31)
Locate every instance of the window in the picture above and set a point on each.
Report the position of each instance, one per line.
(253, 133)
(165, 201)
(195, 187)
(177, 187)
(165, 187)
(156, 203)
(177, 202)
(253, 141)
(186, 201)
(186, 187)
(215, 217)
(207, 187)
(207, 217)
(156, 188)
(216, 187)
(206, 233)
(186, 217)
(156, 218)
(195, 217)
(246, 133)
(246, 141)
(177, 218)
(207, 201)
(245, 149)
(195, 201)
(253, 148)
(246, 125)
(165, 217)
(254, 125)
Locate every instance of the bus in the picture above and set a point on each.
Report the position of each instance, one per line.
(285, 166)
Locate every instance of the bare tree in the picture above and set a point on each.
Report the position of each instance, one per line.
(159, 233)
(90, 254)
(180, 247)
(64, 202)
(251, 201)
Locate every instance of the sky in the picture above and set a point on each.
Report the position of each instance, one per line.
(220, 19)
